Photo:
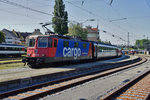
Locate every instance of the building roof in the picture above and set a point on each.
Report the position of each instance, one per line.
(8, 33)
(23, 35)
(37, 32)
(95, 29)
(91, 30)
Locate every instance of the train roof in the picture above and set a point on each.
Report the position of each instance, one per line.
(106, 45)
(59, 36)
(74, 38)
(10, 45)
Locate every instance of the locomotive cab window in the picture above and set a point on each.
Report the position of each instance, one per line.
(42, 42)
(31, 43)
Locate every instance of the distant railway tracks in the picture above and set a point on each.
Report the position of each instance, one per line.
(40, 90)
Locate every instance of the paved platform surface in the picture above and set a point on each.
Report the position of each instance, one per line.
(42, 71)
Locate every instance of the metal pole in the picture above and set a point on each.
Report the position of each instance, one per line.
(128, 40)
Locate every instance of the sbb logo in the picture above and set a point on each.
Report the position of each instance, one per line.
(68, 52)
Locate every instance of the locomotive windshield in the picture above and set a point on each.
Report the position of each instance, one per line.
(31, 43)
(42, 42)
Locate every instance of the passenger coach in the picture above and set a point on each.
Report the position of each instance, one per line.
(11, 50)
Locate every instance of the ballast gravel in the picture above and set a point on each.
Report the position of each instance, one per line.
(95, 89)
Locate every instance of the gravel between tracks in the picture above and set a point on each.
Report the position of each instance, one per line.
(93, 90)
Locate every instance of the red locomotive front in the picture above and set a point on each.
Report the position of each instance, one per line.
(40, 49)
(37, 47)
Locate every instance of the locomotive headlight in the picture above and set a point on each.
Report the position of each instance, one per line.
(29, 54)
(36, 50)
(43, 55)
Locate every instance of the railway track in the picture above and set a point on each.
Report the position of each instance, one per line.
(58, 85)
(136, 89)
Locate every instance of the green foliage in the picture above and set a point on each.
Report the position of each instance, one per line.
(106, 42)
(77, 30)
(142, 44)
(2, 37)
(60, 18)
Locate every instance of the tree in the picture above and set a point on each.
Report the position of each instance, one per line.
(60, 19)
(106, 42)
(77, 30)
(142, 44)
(2, 37)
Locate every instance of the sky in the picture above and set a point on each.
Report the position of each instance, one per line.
(114, 21)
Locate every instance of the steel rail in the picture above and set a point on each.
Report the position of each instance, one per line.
(58, 85)
(136, 89)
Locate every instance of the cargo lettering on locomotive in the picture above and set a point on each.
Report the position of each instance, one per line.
(68, 52)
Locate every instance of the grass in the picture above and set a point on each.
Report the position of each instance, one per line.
(10, 66)
(5, 59)
(10, 61)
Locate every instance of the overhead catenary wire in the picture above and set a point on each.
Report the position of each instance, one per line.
(94, 15)
(28, 8)
(119, 27)
(119, 14)
(19, 5)
(4, 10)
(113, 35)
(147, 3)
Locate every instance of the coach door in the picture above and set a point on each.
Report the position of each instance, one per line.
(94, 51)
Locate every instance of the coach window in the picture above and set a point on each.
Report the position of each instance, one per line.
(1, 48)
(5, 48)
(8, 48)
(100, 49)
(55, 43)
